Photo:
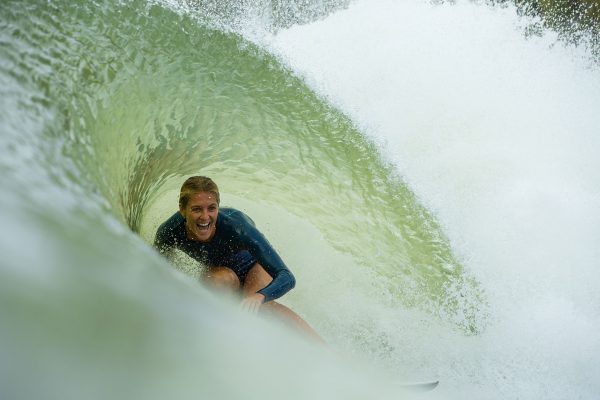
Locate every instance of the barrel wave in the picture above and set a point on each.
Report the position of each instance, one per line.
(106, 108)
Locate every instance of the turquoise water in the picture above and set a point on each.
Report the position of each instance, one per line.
(428, 183)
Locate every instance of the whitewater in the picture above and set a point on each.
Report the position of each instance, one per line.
(498, 135)
(428, 172)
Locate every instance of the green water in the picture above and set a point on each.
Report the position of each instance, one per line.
(109, 107)
(148, 97)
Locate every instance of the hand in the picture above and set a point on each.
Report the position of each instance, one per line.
(253, 302)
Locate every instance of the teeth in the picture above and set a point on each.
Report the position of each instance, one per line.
(204, 225)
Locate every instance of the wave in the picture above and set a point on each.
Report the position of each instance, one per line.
(106, 107)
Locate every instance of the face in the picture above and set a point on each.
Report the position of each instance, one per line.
(200, 215)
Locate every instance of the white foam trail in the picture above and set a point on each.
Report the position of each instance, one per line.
(499, 136)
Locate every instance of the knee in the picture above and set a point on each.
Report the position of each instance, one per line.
(222, 278)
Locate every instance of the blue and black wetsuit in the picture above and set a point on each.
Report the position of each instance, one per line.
(237, 244)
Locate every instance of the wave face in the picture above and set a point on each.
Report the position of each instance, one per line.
(498, 136)
(363, 169)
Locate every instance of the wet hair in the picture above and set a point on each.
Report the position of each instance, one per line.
(197, 184)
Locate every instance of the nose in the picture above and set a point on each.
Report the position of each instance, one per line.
(203, 214)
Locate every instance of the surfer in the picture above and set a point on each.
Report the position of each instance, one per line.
(238, 257)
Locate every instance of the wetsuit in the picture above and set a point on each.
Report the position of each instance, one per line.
(237, 244)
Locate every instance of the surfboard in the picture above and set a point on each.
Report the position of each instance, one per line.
(419, 386)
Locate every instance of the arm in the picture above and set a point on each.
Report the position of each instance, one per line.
(283, 279)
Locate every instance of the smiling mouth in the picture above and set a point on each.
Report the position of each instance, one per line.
(203, 226)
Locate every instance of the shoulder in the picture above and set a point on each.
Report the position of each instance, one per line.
(168, 228)
(233, 217)
(174, 221)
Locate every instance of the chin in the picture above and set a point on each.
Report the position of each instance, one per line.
(204, 236)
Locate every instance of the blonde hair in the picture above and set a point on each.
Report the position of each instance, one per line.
(197, 184)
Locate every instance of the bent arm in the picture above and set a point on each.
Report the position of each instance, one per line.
(282, 283)
(283, 279)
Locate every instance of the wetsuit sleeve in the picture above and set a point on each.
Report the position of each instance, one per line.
(283, 279)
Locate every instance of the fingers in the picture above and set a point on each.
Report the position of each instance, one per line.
(251, 305)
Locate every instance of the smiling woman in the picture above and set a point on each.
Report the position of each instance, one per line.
(199, 204)
(237, 255)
